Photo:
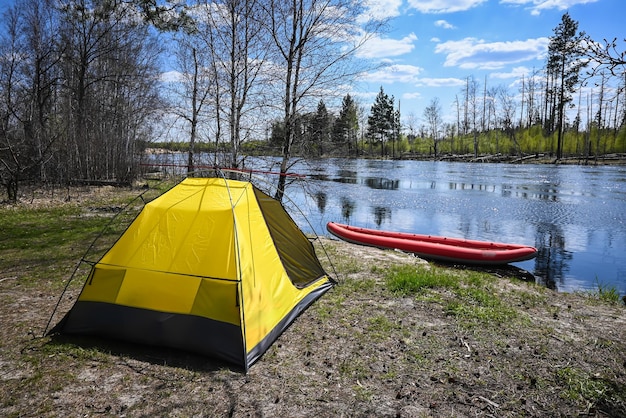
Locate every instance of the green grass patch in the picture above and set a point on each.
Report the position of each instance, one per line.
(380, 327)
(350, 286)
(606, 293)
(406, 280)
(45, 243)
(593, 390)
(474, 306)
(471, 297)
(40, 240)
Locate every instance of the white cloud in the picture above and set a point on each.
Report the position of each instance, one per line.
(440, 82)
(411, 96)
(537, 6)
(381, 9)
(171, 77)
(471, 53)
(444, 24)
(516, 72)
(378, 47)
(397, 73)
(364, 96)
(443, 6)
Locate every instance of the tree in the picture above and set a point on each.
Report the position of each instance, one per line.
(381, 121)
(193, 91)
(321, 127)
(605, 54)
(109, 74)
(314, 42)
(432, 115)
(346, 126)
(78, 85)
(13, 148)
(411, 125)
(470, 110)
(168, 15)
(239, 47)
(508, 108)
(564, 63)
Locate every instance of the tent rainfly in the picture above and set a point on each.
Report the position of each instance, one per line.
(213, 266)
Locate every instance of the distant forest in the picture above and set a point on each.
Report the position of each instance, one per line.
(83, 92)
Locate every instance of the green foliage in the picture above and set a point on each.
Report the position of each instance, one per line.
(383, 122)
(346, 125)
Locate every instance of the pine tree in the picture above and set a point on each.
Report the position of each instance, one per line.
(381, 121)
(564, 64)
(321, 126)
(347, 125)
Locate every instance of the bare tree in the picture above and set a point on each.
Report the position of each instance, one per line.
(314, 41)
(508, 107)
(190, 94)
(471, 110)
(523, 102)
(484, 124)
(29, 79)
(239, 47)
(531, 108)
(12, 143)
(109, 79)
(450, 130)
(606, 54)
(410, 123)
(432, 115)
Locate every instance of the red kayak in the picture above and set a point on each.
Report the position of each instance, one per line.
(436, 248)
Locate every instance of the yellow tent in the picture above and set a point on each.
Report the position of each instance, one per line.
(213, 266)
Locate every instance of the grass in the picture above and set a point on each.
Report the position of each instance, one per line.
(596, 391)
(606, 293)
(473, 298)
(40, 239)
(407, 280)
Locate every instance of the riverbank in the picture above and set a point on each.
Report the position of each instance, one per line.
(396, 337)
(540, 158)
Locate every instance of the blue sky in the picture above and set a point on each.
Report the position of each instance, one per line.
(432, 46)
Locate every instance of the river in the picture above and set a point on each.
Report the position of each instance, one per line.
(574, 215)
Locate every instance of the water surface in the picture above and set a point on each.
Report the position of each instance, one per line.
(574, 215)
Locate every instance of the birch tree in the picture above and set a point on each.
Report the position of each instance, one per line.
(239, 46)
(314, 41)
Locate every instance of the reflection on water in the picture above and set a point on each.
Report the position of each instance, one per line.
(552, 262)
(575, 216)
(382, 183)
(320, 198)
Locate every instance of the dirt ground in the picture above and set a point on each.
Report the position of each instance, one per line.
(358, 351)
